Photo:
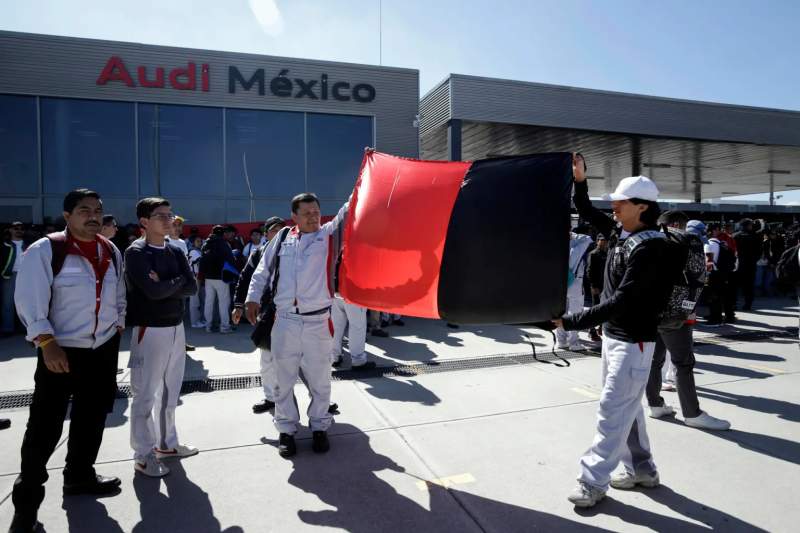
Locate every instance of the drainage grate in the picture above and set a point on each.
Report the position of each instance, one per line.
(20, 399)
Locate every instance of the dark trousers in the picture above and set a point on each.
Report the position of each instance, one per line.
(678, 340)
(747, 283)
(92, 385)
(721, 295)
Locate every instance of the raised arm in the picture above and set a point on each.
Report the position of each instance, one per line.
(602, 222)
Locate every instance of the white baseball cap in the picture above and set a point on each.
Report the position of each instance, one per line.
(640, 187)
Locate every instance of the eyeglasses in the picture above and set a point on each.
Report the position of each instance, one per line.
(166, 218)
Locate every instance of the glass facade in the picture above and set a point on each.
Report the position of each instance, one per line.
(214, 164)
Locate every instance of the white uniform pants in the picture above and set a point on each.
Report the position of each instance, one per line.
(621, 435)
(195, 309)
(268, 374)
(342, 314)
(574, 305)
(158, 357)
(218, 290)
(302, 342)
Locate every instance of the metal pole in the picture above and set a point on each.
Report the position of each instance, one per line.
(771, 189)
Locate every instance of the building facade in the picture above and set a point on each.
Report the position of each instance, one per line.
(227, 137)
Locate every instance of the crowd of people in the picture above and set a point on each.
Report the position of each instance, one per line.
(639, 275)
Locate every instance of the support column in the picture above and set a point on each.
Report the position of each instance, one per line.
(454, 139)
(771, 189)
(698, 173)
(636, 156)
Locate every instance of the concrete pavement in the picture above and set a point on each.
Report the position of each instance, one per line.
(486, 448)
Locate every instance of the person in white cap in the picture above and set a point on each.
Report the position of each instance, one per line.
(637, 285)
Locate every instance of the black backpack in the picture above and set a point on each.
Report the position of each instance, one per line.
(689, 256)
(788, 268)
(726, 261)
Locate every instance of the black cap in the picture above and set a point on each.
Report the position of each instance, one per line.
(217, 230)
(271, 221)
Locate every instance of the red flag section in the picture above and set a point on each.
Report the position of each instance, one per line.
(395, 233)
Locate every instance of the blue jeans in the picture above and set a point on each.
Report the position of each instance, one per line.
(7, 311)
(765, 277)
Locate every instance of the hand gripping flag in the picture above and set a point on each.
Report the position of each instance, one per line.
(472, 243)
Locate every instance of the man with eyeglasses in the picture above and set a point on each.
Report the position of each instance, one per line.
(71, 298)
(159, 280)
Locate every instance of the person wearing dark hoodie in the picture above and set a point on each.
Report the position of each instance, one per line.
(159, 280)
(216, 252)
(637, 285)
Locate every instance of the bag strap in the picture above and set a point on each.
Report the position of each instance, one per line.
(58, 245)
(276, 270)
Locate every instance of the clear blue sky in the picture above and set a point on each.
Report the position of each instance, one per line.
(731, 51)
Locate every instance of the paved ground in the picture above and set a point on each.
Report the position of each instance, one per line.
(491, 448)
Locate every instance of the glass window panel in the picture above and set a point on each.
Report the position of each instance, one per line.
(190, 151)
(239, 210)
(148, 150)
(199, 211)
(123, 209)
(335, 148)
(19, 158)
(88, 143)
(266, 147)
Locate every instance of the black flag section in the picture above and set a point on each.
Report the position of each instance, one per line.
(506, 255)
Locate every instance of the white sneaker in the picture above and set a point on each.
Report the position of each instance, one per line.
(225, 331)
(668, 386)
(659, 412)
(151, 467)
(626, 480)
(560, 346)
(577, 347)
(199, 325)
(706, 421)
(585, 495)
(208, 329)
(178, 451)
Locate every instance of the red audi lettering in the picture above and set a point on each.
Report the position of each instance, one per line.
(115, 71)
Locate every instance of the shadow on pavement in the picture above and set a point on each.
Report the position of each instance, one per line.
(363, 502)
(185, 507)
(722, 350)
(730, 370)
(87, 514)
(785, 410)
(400, 391)
(711, 518)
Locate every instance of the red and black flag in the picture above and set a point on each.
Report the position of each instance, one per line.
(472, 243)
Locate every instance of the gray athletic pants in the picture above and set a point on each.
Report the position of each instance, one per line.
(677, 338)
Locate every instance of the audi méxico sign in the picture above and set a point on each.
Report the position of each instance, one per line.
(195, 77)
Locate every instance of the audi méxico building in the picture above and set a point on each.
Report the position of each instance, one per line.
(227, 137)
(231, 137)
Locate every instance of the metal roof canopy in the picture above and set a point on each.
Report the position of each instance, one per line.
(693, 150)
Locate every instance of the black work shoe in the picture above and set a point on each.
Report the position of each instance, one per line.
(337, 363)
(190, 348)
(398, 322)
(23, 523)
(99, 486)
(729, 319)
(333, 409)
(320, 442)
(379, 333)
(452, 326)
(5, 423)
(286, 445)
(263, 407)
(369, 365)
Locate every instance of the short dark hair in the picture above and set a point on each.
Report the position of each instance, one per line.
(146, 206)
(649, 217)
(669, 218)
(713, 226)
(304, 198)
(73, 198)
(256, 230)
(108, 219)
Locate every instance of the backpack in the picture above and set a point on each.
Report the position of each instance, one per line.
(788, 268)
(688, 250)
(58, 243)
(726, 261)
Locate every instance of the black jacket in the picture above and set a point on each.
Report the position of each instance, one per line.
(216, 251)
(596, 267)
(243, 285)
(748, 249)
(635, 291)
(156, 303)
